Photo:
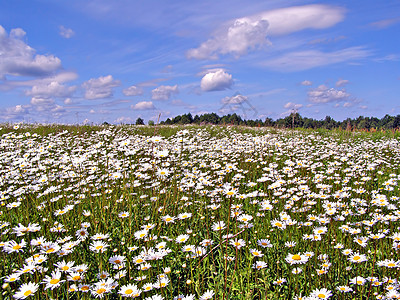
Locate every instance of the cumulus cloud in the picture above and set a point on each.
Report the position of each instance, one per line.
(123, 120)
(164, 92)
(133, 91)
(66, 32)
(216, 81)
(52, 89)
(342, 82)
(19, 59)
(237, 99)
(143, 105)
(304, 60)
(291, 105)
(306, 83)
(99, 88)
(324, 94)
(239, 36)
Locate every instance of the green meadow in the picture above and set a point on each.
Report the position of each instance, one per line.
(198, 212)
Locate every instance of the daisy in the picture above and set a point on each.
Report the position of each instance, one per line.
(207, 295)
(218, 226)
(13, 277)
(141, 234)
(344, 289)
(321, 294)
(130, 291)
(358, 280)
(259, 265)
(280, 281)
(264, 243)
(26, 290)
(64, 266)
(84, 287)
(237, 243)
(53, 281)
(296, 259)
(358, 258)
(256, 253)
(182, 238)
(147, 287)
(98, 246)
(13, 246)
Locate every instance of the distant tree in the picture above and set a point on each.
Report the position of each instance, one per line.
(151, 123)
(139, 121)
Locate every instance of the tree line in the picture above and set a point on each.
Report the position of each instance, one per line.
(294, 120)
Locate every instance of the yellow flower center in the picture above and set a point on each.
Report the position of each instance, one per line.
(100, 291)
(128, 291)
(321, 296)
(50, 250)
(27, 293)
(391, 265)
(85, 288)
(65, 268)
(17, 247)
(99, 247)
(54, 281)
(296, 257)
(76, 277)
(356, 257)
(117, 261)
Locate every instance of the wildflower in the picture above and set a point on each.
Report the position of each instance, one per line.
(98, 246)
(147, 287)
(297, 270)
(218, 226)
(13, 277)
(344, 289)
(264, 243)
(123, 214)
(84, 287)
(130, 291)
(161, 282)
(182, 238)
(321, 294)
(26, 290)
(64, 266)
(238, 243)
(168, 219)
(358, 258)
(53, 281)
(296, 259)
(207, 295)
(259, 265)
(280, 281)
(358, 280)
(13, 246)
(279, 224)
(256, 253)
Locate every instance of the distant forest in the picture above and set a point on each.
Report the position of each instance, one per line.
(294, 120)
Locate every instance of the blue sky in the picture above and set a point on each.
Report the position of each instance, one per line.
(94, 61)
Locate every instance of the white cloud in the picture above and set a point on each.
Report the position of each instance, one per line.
(324, 94)
(164, 92)
(66, 32)
(123, 120)
(52, 89)
(98, 88)
(237, 99)
(132, 91)
(342, 82)
(304, 60)
(292, 19)
(291, 105)
(248, 33)
(19, 59)
(40, 101)
(240, 37)
(143, 105)
(385, 23)
(216, 81)
(306, 83)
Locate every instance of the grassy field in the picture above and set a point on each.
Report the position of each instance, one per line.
(198, 213)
